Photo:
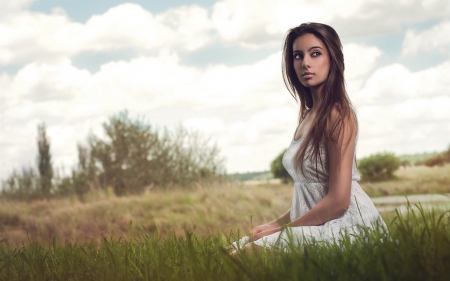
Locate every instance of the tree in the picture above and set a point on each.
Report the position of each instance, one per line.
(378, 167)
(278, 170)
(44, 161)
(135, 156)
(21, 185)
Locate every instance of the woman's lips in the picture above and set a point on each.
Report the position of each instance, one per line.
(307, 75)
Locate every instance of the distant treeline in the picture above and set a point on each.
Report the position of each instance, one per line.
(133, 157)
(264, 175)
(376, 167)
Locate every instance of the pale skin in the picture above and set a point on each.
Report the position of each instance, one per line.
(312, 64)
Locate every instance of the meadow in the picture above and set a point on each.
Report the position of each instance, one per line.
(179, 234)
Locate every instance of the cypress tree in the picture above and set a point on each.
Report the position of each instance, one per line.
(44, 161)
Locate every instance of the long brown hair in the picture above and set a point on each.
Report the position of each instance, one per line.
(333, 92)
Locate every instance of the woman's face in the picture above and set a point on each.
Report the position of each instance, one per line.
(311, 60)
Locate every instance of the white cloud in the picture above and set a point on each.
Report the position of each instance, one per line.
(359, 61)
(131, 26)
(72, 101)
(404, 111)
(208, 125)
(394, 83)
(65, 97)
(31, 36)
(252, 144)
(437, 38)
(259, 24)
(9, 8)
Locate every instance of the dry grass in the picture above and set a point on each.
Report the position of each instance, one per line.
(205, 210)
(412, 180)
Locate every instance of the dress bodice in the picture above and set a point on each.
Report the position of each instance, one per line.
(309, 174)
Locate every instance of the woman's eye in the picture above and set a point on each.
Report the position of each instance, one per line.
(297, 56)
(315, 54)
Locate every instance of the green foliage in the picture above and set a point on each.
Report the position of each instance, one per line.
(265, 175)
(22, 185)
(416, 248)
(278, 170)
(135, 157)
(378, 167)
(132, 158)
(44, 161)
(415, 159)
(438, 159)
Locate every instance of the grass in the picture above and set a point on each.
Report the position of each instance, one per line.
(417, 248)
(412, 180)
(179, 234)
(205, 210)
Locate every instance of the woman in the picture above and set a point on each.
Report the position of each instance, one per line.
(328, 200)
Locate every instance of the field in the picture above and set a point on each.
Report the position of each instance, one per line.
(412, 180)
(205, 210)
(178, 234)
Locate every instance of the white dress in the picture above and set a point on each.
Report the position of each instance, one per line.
(309, 189)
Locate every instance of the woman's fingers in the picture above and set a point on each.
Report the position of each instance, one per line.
(256, 230)
(262, 234)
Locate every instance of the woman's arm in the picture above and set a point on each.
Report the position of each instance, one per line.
(271, 227)
(340, 157)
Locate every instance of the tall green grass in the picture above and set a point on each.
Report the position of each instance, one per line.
(417, 247)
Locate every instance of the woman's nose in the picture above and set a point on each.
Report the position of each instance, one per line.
(305, 62)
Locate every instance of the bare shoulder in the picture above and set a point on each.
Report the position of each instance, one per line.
(347, 115)
(342, 121)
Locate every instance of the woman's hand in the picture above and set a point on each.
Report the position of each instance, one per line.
(263, 230)
(266, 230)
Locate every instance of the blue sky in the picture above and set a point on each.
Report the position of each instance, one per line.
(214, 66)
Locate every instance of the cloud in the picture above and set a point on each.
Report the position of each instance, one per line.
(31, 36)
(246, 108)
(359, 61)
(73, 101)
(251, 144)
(9, 8)
(404, 111)
(395, 83)
(437, 38)
(131, 26)
(254, 24)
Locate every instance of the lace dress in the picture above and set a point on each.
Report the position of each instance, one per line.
(309, 189)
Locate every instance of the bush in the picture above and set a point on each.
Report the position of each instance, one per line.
(439, 159)
(134, 156)
(378, 167)
(131, 158)
(278, 170)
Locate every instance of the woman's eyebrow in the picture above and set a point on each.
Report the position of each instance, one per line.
(313, 47)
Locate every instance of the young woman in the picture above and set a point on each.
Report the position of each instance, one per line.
(328, 200)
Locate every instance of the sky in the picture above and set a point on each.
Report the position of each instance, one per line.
(215, 67)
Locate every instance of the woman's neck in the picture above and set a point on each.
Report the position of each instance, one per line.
(316, 94)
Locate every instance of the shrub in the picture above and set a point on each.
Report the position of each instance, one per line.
(378, 167)
(131, 158)
(134, 156)
(278, 170)
(437, 160)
